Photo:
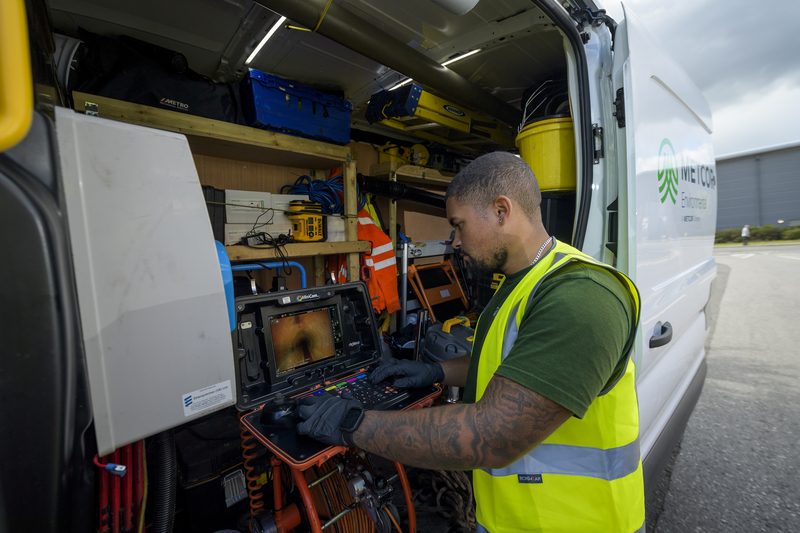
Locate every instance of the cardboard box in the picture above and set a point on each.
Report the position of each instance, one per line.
(335, 229)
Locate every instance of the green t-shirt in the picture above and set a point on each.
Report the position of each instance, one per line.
(573, 338)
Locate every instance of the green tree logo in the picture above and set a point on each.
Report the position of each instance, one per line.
(667, 172)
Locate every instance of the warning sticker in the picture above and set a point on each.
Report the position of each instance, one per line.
(444, 293)
(206, 398)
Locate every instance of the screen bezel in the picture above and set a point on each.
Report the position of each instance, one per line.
(362, 340)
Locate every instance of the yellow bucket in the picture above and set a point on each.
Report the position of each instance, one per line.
(548, 146)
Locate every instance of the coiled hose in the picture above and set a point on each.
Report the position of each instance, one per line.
(166, 477)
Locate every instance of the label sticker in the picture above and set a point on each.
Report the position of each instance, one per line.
(444, 293)
(206, 398)
(529, 478)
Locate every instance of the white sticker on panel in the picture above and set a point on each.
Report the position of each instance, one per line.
(206, 398)
(445, 293)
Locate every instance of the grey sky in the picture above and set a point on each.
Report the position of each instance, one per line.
(742, 55)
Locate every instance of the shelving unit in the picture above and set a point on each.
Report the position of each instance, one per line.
(300, 249)
(232, 141)
(413, 175)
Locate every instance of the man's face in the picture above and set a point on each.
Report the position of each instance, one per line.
(478, 237)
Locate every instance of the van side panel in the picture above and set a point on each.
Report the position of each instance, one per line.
(672, 192)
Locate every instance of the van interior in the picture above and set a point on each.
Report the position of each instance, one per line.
(506, 63)
(432, 84)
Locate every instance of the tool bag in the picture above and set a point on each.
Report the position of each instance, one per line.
(134, 71)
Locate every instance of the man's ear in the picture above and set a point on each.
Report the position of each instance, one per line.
(503, 208)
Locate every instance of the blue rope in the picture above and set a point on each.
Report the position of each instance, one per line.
(324, 192)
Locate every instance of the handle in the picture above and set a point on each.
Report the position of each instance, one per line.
(453, 321)
(662, 338)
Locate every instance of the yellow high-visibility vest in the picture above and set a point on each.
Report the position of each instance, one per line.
(587, 475)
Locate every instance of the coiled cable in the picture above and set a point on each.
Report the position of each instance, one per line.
(253, 488)
(328, 194)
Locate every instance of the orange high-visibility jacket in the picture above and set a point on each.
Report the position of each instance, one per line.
(381, 264)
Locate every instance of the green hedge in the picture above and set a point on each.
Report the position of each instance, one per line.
(763, 233)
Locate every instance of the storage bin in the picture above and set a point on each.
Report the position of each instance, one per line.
(548, 146)
(272, 103)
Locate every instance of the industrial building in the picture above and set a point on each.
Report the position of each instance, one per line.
(759, 187)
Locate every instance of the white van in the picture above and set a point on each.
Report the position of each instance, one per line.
(115, 315)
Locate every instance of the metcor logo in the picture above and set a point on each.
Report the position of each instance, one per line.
(667, 172)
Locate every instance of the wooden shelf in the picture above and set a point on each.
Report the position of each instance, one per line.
(412, 174)
(298, 249)
(221, 139)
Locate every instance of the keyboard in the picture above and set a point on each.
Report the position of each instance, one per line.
(379, 396)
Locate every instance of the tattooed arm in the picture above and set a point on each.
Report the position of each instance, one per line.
(508, 422)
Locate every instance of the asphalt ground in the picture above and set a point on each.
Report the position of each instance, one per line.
(737, 467)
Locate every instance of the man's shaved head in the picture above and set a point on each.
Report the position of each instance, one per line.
(495, 174)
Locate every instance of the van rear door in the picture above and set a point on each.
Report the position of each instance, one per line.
(668, 198)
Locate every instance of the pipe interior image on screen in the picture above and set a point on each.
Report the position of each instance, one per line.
(304, 337)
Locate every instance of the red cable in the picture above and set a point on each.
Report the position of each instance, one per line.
(102, 499)
(115, 496)
(127, 491)
(138, 478)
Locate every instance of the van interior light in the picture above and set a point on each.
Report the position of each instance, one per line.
(266, 38)
(443, 64)
(459, 58)
(409, 80)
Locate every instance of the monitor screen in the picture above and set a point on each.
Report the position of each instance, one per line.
(304, 337)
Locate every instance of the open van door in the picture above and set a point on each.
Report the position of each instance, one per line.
(668, 211)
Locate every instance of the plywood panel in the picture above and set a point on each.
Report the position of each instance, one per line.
(365, 156)
(245, 175)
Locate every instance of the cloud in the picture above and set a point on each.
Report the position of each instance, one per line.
(729, 48)
(771, 119)
(742, 55)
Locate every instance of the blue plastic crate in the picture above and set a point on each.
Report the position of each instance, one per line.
(272, 103)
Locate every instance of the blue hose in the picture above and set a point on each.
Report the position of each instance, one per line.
(254, 266)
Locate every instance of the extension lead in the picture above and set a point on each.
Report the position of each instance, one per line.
(111, 468)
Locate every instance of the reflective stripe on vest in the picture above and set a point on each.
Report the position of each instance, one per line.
(587, 475)
(611, 464)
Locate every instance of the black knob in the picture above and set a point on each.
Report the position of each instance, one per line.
(380, 483)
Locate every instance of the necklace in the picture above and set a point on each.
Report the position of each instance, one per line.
(540, 251)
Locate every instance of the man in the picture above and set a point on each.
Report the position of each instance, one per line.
(746, 234)
(549, 422)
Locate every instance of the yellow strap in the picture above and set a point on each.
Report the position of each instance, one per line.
(318, 23)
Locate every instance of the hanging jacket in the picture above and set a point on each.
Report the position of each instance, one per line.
(587, 475)
(379, 265)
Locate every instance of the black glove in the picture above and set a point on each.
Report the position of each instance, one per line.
(324, 414)
(411, 374)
